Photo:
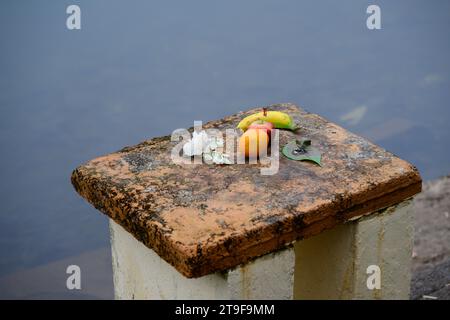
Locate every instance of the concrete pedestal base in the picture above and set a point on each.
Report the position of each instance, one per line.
(336, 264)
(139, 273)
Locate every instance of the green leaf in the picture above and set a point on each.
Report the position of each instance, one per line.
(302, 151)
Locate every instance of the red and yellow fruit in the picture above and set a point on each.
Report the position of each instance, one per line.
(262, 125)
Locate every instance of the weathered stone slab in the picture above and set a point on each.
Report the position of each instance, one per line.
(207, 218)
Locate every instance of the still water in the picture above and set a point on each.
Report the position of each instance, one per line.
(139, 69)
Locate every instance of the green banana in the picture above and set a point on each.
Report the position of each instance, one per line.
(279, 119)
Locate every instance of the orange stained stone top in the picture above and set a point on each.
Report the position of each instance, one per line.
(207, 218)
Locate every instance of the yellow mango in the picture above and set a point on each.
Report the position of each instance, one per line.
(253, 143)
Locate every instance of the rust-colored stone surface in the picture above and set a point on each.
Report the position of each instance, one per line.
(207, 218)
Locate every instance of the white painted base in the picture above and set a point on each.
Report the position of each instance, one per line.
(139, 273)
(331, 265)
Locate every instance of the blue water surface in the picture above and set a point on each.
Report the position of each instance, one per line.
(139, 69)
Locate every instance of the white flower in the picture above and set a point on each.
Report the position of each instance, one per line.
(208, 146)
(195, 146)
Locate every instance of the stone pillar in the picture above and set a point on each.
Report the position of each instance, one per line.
(206, 222)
